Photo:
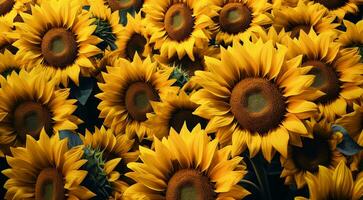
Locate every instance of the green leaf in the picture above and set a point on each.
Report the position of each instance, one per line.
(104, 31)
(73, 138)
(180, 75)
(348, 146)
(84, 90)
(123, 14)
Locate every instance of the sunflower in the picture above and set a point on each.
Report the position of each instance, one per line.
(134, 39)
(115, 154)
(334, 185)
(29, 102)
(9, 63)
(9, 9)
(338, 73)
(338, 8)
(101, 63)
(57, 39)
(352, 37)
(277, 37)
(304, 17)
(7, 37)
(258, 96)
(186, 166)
(108, 27)
(317, 149)
(172, 112)
(177, 26)
(126, 94)
(186, 64)
(239, 19)
(46, 169)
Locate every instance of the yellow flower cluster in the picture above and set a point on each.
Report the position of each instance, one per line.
(183, 92)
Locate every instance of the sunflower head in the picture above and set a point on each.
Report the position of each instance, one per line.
(173, 111)
(52, 171)
(128, 89)
(30, 102)
(7, 37)
(187, 64)
(187, 166)
(108, 28)
(57, 45)
(351, 38)
(96, 179)
(337, 71)
(304, 17)
(9, 63)
(110, 153)
(237, 20)
(338, 8)
(335, 184)
(317, 149)
(10, 9)
(176, 27)
(259, 103)
(135, 39)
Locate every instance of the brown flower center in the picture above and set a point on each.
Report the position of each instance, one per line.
(295, 30)
(6, 6)
(235, 18)
(59, 47)
(187, 184)
(331, 4)
(257, 104)
(30, 118)
(187, 64)
(138, 97)
(137, 44)
(49, 185)
(124, 4)
(179, 21)
(313, 153)
(183, 115)
(326, 80)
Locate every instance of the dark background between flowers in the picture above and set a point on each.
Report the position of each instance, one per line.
(263, 178)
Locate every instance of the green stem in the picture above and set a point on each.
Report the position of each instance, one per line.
(252, 184)
(265, 190)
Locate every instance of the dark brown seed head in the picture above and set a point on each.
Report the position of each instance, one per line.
(49, 185)
(313, 153)
(30, 118)
(326, 80)
(187, 184)
(257, 104)
(235, 18)
(295, 30)
(59, 47)
(331, 4)
(124, 4)
(137, 44)
(185, 115)
(137, 100)
(179, 22)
